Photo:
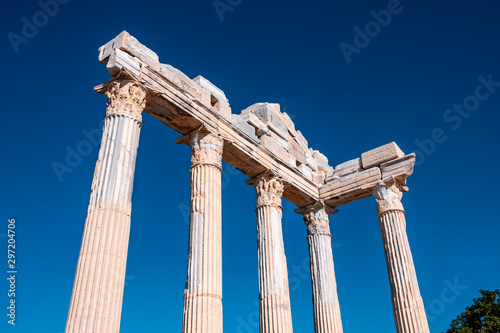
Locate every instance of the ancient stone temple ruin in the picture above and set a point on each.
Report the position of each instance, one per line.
(263, 143)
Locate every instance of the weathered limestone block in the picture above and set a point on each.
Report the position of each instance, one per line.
(276, 132)
(215, 97)
(330, 177)
(322, 161)
(344, 169)
(282, 142)
(296, 151)
(289, 123)
(400, 168)
(338, 191)
(348, 167)
(121, 60)
(379, 155)
(319, 177)
(311, 162)
(275, 145)
(212, 88)
(182, 81)
(306, 171)
(330, 174)
(301, 140)
(259, 126)
(364, 180)
(254, 126)
(270, 115)
(125, 42)
(242, 124)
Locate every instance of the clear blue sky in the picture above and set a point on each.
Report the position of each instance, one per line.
(398, 86)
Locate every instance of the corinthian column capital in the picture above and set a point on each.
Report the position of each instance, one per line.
(389, 194)
(206, 147)
(126, 97)
(268, 189)
(316, 217)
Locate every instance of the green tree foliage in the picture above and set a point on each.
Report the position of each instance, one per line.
(481, 317)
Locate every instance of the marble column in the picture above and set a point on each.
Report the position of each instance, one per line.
(203, 292)
(324, 287)
(408, 307)
(96, 301)
(275, 314)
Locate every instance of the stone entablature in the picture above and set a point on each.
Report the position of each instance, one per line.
(260, 138)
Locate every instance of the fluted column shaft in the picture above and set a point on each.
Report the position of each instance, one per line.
(203, 293)
(408, 307)
(274, 310)
(324, 286)
(96, 300)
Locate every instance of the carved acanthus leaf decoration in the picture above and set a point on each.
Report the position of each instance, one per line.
(317, 222)
(126, 97)
(268, 189)
(316, 217)
(206, 148)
